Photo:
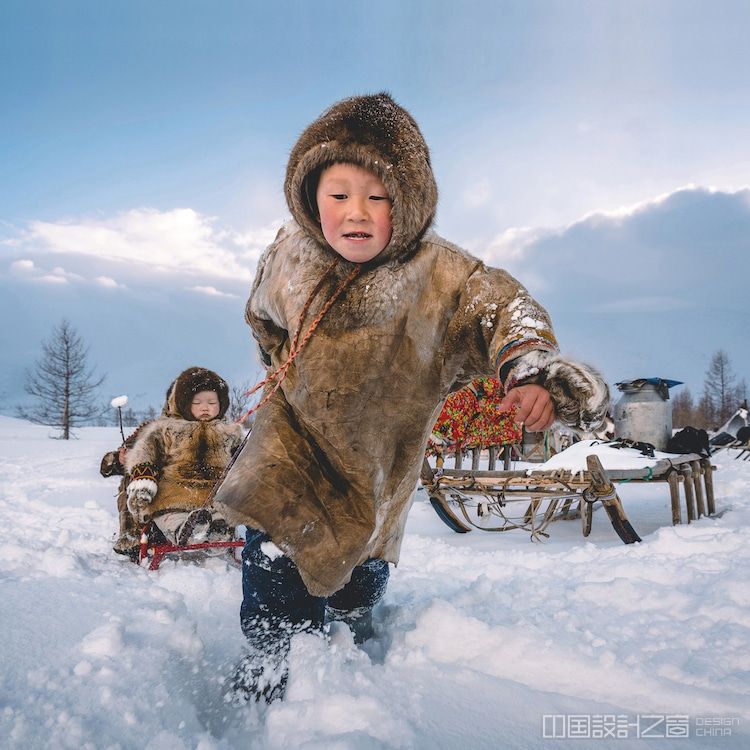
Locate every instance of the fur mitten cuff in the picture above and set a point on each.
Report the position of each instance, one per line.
(578, 392)
(140, 494)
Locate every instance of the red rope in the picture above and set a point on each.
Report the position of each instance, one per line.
(297, 346)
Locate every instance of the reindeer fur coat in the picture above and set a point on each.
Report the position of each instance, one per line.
(334, 457)
(183, 456)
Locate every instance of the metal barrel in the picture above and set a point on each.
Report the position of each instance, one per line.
(644, 414)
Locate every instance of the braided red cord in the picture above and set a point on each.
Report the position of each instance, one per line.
(296, 346)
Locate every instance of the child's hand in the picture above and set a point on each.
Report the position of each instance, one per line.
(535, 407)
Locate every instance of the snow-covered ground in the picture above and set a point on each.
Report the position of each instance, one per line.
(483, 640)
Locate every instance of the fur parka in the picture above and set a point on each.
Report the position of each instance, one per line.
(184, 457)
(334, 457)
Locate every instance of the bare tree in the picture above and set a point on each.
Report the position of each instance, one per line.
(130, 418)
(740, 392)
(719, 387)
(683, 409)
(62, 383)
(240, 403)
(704, 414)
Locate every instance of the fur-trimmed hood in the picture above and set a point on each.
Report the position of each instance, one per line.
(377, 134)
(187, 384)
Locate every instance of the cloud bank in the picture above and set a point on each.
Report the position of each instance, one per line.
(178, 240)
(675, 251)
(646, 290)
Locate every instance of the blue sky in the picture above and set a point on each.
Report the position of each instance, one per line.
(143, 147)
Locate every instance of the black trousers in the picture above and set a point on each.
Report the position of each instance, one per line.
(276, 604)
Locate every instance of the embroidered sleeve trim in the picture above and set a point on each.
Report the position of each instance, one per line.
(144, 471)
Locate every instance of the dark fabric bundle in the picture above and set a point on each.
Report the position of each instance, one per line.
(690, 440)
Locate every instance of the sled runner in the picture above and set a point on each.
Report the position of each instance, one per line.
(154, 547)
(742, 444)
(466, 499)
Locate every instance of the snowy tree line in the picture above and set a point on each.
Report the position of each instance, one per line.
(723, 393)
(239, 403)
(66, 391)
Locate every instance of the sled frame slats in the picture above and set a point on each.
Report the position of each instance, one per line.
(451, 489)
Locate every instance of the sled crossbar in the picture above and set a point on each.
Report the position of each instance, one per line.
(155, 553)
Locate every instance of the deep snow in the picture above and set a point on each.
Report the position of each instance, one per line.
(479, 637)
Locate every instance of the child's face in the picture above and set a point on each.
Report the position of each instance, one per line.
(355, 212)
(205, 406)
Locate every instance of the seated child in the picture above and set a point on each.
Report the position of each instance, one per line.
(371, 321)
(113, 464)
(176, 459)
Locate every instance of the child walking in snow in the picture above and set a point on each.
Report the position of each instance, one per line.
(371, 321)
(177, 459)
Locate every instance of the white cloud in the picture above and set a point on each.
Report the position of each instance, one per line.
(32, 272)
(180, 239)
(210, 291)
(22, 266)
(58, 275)
(49, 278)
(625, 212)
(511, 245)
(108, 283)
(67, 275)
(254, 241)
(263, 236)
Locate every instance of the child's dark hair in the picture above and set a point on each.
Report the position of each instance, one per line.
(310, 190)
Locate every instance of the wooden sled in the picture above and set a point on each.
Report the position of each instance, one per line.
(741, 446)
(465, 499)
